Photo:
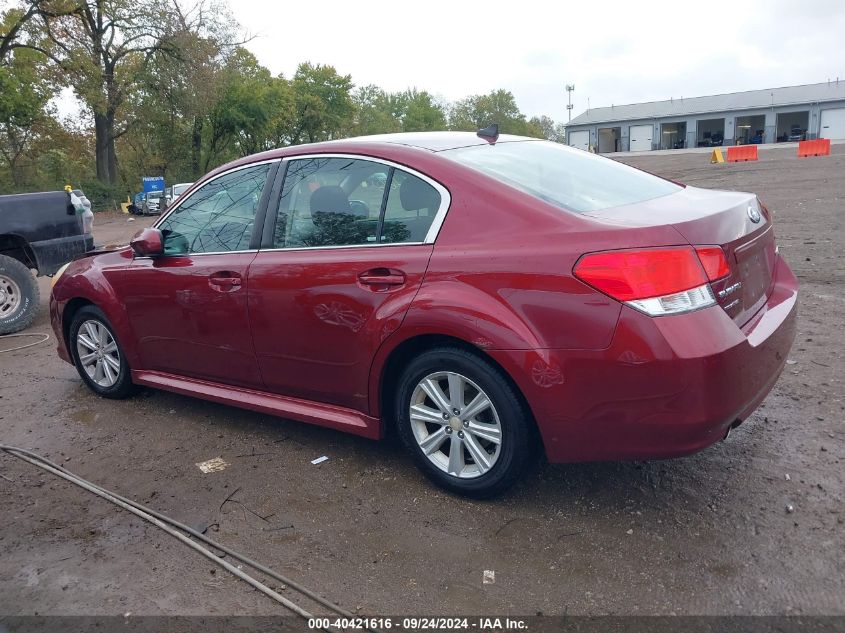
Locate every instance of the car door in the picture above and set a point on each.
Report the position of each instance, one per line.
(188, 308)
(343, 254)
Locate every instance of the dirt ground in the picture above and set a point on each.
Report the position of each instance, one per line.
(707, 534)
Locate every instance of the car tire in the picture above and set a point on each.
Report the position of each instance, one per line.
(19, 296)
(98, 355)
(448, 451)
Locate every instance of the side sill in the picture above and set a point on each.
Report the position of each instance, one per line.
(330, 416)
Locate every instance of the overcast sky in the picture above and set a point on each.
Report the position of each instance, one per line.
(613, 52)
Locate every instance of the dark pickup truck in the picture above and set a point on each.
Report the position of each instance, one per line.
(41, 232)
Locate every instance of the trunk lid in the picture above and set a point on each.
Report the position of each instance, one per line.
(703, 217)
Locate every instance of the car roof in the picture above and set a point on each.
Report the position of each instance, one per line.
(432, 141)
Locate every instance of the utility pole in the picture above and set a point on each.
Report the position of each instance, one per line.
(569, 89)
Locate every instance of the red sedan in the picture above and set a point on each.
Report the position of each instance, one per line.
(481, 295)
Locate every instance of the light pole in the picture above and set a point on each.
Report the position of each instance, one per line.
(569, 89)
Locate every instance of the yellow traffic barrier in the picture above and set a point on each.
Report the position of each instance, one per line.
(716, 156)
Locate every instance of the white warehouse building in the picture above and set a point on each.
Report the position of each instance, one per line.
(758, 116)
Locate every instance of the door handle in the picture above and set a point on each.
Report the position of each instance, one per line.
(382, 277)
(225, 280)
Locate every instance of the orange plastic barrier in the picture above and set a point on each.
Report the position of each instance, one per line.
(742, 152)
(819, 147)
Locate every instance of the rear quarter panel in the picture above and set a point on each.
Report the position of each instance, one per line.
(502, 266)
(500, 277)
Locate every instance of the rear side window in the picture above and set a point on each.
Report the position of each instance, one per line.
(412, 205)
(571, 179)
(352, 202)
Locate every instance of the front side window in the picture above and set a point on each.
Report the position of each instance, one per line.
(217, 217)
(351, 202)
(568, 178)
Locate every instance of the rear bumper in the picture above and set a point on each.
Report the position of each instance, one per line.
(665, 387)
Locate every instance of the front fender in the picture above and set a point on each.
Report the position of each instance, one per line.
(88, 279)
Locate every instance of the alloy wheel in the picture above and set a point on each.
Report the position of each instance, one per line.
(455, 424)
(98, 353)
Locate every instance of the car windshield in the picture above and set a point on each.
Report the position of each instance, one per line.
(178, 189)
(569, 178)
(155, 194)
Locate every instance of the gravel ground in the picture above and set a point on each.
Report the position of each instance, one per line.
(707, 534)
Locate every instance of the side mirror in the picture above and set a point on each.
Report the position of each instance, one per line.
(148, 242)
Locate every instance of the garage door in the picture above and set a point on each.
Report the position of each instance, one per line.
(833, 123)
(641, 138)
(580, 140)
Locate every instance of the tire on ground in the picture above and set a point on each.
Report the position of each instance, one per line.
(24, 284)
(123, 386)
(518, 438)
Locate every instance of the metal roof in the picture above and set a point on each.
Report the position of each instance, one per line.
(433, 141)
(752, 99)
(428, 141)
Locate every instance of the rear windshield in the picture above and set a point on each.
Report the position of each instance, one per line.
(569, 178)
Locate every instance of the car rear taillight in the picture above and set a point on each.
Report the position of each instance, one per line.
(714, 261)
(657, 281)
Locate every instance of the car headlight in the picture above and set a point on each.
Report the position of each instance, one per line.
(58, 274)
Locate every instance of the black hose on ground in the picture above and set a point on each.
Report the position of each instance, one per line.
(164, 522)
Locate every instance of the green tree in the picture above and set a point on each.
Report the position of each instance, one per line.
(376, 111)
(264, 109)
(560, 133)
(421, 112)
(412, 110)
(255, 105)
(253, 111)
(24, 94)
(103, 48)
(175, 94)
(541, 127)
(170, 112)
(15, 21)
(178, 96)
(323, 103)
(499, 106)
